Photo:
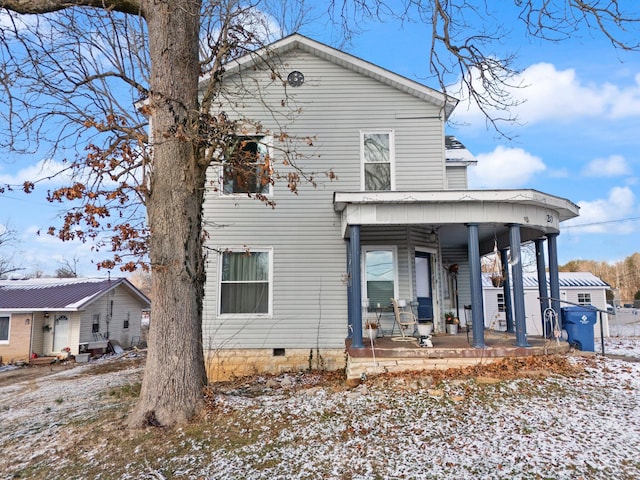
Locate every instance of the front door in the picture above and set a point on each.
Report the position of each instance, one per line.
(423, 285)
(60, 333)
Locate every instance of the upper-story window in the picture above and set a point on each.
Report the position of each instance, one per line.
(247, 167)
(377, 153)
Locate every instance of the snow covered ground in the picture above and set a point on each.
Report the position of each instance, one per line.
(540, 425)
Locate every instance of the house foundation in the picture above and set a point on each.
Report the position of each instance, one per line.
(224, 365)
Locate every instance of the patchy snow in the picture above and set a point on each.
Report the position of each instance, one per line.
(547, 426)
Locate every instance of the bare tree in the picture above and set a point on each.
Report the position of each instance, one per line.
(73, 68)
(68, 268)
(7, 264)
(466, 36)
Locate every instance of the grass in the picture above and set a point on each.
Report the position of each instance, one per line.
(256, 427)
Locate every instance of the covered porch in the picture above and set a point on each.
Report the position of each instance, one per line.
(449, 351)
(458, 227)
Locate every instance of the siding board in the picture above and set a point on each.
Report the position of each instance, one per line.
(309, 256)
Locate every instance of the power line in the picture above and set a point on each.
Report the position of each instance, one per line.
(600, 223)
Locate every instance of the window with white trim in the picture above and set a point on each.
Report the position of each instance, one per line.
(245, 282)
(247, 167)
(584, 299)
(377, 154)
(380, 275)
(501, 306)
(4, 329)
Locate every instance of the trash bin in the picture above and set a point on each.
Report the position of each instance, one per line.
(579, 322)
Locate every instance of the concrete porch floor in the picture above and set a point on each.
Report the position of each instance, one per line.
(449, 351)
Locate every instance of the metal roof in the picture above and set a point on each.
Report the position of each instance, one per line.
(68, 294)
(565, 279)
(455, 151)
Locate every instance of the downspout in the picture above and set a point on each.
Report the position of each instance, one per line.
(31, 337)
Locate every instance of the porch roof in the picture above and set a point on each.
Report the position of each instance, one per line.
(447, 211)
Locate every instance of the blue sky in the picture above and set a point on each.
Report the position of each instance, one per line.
(578, 138)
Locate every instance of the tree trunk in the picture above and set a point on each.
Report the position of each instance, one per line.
(175, 375)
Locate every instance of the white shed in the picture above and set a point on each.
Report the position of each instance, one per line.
(581, 288)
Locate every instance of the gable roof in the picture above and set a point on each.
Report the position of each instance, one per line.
(61, 294)
(345, 60)
(565, 279)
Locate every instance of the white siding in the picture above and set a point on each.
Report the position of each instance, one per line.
(456, 177)
(309, 255)
(123, 303)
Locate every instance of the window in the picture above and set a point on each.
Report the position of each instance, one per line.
(4, 329)
(380, 275)
(95, 326)
(501, 307)
(245, 282)
(584, 299)
(247, 167)
(377, 152)
(126, 321)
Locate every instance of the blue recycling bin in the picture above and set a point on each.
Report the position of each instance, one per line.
(579, 322)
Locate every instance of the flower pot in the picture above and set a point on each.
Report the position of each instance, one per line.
(373, 333)
(452, 329)
(425, 329)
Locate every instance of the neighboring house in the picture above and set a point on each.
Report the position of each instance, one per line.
(44, 316)
(578, 288)
(286, 286)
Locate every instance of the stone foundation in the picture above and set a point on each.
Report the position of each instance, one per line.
(226, 364)
(357, 367)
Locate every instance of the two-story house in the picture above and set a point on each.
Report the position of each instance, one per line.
(288, 286)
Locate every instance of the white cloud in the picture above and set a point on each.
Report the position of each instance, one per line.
(45, 253)
(612, 166)
(548, 94)
(504, 168)
(602, 215)
(45, 171)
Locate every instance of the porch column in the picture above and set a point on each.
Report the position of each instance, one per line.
(542, 281)
(518, 286)
(475, 273)
(506, 290)
(554, 282)
(356, 289)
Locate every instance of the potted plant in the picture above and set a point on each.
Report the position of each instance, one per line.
(46, 327)
(372, 329)
(452, 323)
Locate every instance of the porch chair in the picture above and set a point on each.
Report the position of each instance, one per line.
(405, 319)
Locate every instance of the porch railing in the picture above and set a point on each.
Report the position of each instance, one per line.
(588, 307)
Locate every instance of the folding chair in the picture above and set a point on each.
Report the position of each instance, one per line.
(405, 319)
